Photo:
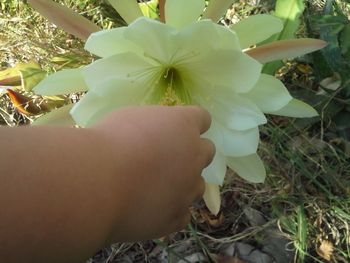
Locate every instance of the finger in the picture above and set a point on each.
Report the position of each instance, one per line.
(183, 221)
(207, 152)
(199, 116)
(199, 190)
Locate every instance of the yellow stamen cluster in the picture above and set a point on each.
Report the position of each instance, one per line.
(170, 98)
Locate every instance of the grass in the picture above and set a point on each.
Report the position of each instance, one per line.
(306, 196)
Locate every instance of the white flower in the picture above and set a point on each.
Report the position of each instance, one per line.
(185, 61)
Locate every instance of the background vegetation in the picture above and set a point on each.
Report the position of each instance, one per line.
(302, 212)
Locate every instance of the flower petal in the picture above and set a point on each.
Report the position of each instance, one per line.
(216, 9)
(110, 42)
(58, 116)
(129, 10)
(269, 94)
(256, 29)
(205, 31)
(250, 168)
(62, 82)
(120, 66)
(228, 38)
(240, 143)
(285, 49)
(230, 109)
(189, 10)
(225, 67)
(154, 38)
(216, 171)
(65, 18)
(111, 96)
(231, 142)
(297, 109)
(212, 198)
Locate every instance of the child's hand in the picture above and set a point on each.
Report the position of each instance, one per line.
(159, 157)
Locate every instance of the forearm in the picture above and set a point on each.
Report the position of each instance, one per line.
(56, 194)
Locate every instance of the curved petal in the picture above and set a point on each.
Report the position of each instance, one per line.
(154, 38)
(257, 28)
(129, 10)
(189, 10)
(231, 110)
(212, 198)
(228, 38)
(87, 108)
(216, 9)
(250, 168)
(65, 18)
(297, 109)
(216, 171)
(112, 95)
(120, 66)
(285, 49)
(60, 117)
(205, 31)
(269, 94)
(225, 67)
(240, 143)
(62, 82)
(110, 42)
(231, 142)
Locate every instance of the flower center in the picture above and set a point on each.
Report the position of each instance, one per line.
(174, 91)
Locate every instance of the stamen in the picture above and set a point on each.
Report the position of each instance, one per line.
(170, 98)
(142, 73)
(184, 57)
(154, 59)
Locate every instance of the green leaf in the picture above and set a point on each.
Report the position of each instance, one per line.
(149, 9)
(289, 11)
(31, 77)
(23, 76)
(301, 243)
(60, 117)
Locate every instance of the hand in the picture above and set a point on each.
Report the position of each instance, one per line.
(159, 158)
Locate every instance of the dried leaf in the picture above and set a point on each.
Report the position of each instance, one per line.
(26, 105)
(211, 220)
(325, 250)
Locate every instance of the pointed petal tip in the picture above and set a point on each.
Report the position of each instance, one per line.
(285, 49)
(65, 18)
(129, 10)
(297, 109)
(212, 198)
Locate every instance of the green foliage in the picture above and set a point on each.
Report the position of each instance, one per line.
(24, 76)
(149, 9)
(289, 11)
(8, 5)
(332, 25)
